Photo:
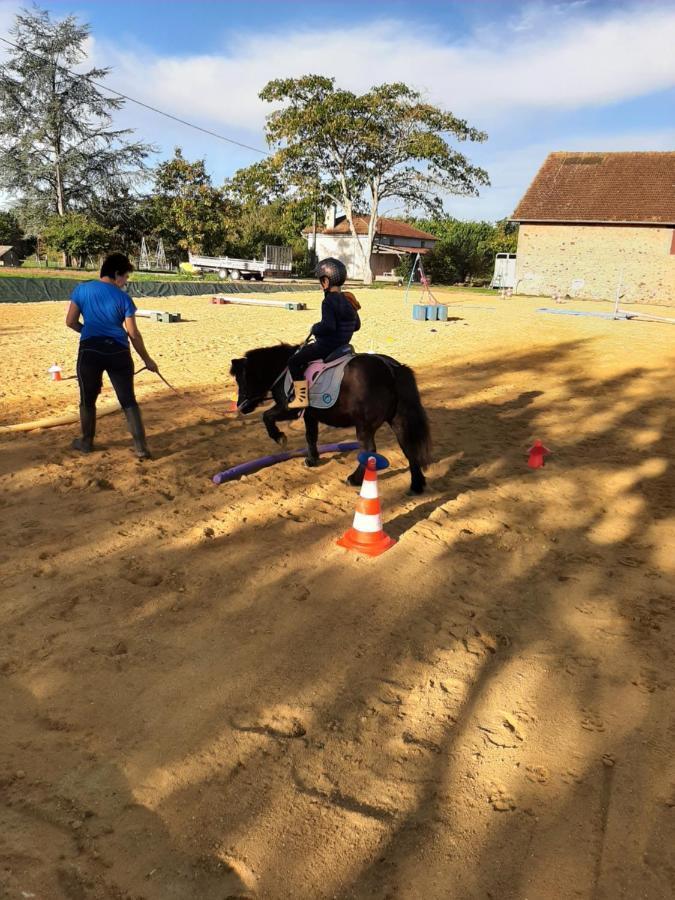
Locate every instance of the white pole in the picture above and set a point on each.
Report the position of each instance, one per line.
(412, 275)
(618, 295)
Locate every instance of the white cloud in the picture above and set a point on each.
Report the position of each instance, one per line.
(551, 58)
(562, 58)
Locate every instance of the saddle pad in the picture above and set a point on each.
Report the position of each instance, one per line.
(323, 392)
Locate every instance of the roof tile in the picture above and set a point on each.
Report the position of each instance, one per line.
(602, 187)
(385, 228)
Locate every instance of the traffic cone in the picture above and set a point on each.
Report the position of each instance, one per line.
(366, 534)
(55, 372)
(537, 454)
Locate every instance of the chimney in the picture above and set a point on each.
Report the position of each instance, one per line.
(331, 216)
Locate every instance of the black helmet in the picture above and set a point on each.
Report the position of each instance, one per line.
(332, 269)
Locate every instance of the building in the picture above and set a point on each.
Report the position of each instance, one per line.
(393, 239)
(592, 222)
(8, 256)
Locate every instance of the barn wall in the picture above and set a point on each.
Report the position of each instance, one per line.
(551, 258)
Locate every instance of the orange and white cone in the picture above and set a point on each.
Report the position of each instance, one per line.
(55, 372)
(366, 534)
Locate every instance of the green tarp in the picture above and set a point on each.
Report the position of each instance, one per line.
(33, 290)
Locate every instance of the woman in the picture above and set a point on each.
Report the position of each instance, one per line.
(109, 322)
(339, 321)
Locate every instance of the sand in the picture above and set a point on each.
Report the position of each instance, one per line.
(204, 697)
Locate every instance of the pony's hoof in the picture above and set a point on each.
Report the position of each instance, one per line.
(353, 482)
(311, 463)
(282, 440)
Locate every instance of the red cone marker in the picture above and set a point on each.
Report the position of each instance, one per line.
(537, 454)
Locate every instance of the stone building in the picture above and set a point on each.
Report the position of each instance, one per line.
(590, 222)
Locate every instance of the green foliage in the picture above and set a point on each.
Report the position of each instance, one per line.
(466, 250)
(187, 212)
(10, 230)
(58, 151)
(260, 214)
(505, 237)
(357, 150)
(128, 217)
(404, 267)
(77, 236)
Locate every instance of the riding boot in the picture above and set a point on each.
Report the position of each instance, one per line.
(135, 423)
(301, 398)
(85, 444)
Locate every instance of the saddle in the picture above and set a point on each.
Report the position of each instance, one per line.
(324, 377)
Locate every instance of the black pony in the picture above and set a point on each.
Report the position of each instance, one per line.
(375, 389)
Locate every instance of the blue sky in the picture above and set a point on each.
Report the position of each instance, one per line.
(536, 76)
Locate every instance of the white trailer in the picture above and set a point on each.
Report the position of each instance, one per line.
(277, 261)
(505, 271)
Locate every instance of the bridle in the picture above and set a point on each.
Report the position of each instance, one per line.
(269, 394)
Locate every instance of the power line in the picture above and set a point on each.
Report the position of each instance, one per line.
(133, 100)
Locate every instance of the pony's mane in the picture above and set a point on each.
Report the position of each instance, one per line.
(275, 356)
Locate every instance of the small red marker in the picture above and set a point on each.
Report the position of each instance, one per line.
(537, 454)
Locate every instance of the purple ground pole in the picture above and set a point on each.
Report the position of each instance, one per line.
(253, 465)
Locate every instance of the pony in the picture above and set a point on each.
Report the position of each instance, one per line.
(375, 389)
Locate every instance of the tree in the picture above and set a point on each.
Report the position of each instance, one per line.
(190, 214)
(363, 149)
(505, 236)
(76, 236)
(261, 213)
(58, 151)
(10, 230)
(466, 250)
(128, 216)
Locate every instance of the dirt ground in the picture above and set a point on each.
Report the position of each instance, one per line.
(203, 697)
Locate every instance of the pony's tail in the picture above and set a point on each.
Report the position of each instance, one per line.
(411, 422)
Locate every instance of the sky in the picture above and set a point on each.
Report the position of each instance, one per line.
(536, 76)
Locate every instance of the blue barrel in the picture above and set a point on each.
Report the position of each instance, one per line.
(431, 312)
(442, 313)
(419, 312)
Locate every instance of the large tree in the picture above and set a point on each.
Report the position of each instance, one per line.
(10, 230)
(58, 150)
(261, 212)
(466, 250)
(360, 150)
(190, 213)
(77, 236)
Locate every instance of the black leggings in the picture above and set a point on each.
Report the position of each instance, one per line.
(303, 357)
(98, 355)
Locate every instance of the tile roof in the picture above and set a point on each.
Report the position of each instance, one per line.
(602, 187)
(385, 228)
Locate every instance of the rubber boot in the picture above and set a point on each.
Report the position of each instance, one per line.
(135, 423)
(85, 444)
(301, 399)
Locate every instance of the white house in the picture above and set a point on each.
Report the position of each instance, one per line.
(393, 239)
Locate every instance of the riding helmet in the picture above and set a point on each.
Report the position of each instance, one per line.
(332, 269)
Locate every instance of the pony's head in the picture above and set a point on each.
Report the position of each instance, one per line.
(256, 372)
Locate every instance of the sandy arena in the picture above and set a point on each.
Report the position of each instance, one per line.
(203, 697)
